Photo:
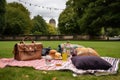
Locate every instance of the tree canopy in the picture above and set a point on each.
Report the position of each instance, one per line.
(17, 19)
(67, 21)
(52, 30)
(97, 14)
(2, 15)
(90, 16)
(39, 25)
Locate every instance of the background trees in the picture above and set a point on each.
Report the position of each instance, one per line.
(39, 26)
(2, 15)
(97, 14)
(67, 20)
(52, 30)
(17, 20)
(90, 16)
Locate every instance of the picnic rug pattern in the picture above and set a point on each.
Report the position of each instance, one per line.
(40, 64)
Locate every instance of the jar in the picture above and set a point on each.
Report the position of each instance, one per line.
(48, 59)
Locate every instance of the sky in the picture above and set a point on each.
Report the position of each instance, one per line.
(46, 8)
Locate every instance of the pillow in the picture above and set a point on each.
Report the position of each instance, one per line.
(90, 62)
(86, 52)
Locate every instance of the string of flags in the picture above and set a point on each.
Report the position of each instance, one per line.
(49, 8)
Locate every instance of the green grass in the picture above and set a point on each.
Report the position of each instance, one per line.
(104, 48)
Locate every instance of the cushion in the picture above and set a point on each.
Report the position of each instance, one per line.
(90, 62)
(86, 52)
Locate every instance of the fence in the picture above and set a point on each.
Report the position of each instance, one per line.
(51, 37)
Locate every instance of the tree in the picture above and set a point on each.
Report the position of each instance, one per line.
(67, 20)
(95, 14)
(89, 16)
(39, 25)
(17, 19)
(2, 15)
(51, 29)
(113, 32)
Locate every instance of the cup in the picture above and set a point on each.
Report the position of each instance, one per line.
(48, 59)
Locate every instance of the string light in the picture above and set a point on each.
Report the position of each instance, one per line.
(50, 8)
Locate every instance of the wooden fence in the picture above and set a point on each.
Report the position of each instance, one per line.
(51, 37)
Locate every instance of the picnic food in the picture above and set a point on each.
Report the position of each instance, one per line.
(58, 55)
(58, 64)
(52, 53)
(55, 55)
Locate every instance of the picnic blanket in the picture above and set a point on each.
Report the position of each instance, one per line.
(40, 64)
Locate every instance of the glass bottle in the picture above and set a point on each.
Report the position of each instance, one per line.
(64, 55)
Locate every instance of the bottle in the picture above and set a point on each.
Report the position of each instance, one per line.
(68, 48)
(64, 55)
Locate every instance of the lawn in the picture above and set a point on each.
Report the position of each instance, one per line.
(104, 48)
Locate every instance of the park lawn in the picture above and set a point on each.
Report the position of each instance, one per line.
(104, 48)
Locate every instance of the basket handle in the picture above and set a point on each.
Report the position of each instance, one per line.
(27, 38)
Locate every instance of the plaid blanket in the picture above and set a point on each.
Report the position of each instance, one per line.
(40, 64)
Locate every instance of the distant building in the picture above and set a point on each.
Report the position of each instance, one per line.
(52, 22)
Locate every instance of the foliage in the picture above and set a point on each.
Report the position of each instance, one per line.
(17, 20)
(113, 32)
(89, 16)
(95, 14)
(39, 25)
(37, 33)
(51, 29)
(67, 21)
(2, 15)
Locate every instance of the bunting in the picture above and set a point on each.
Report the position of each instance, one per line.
(30, 4)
